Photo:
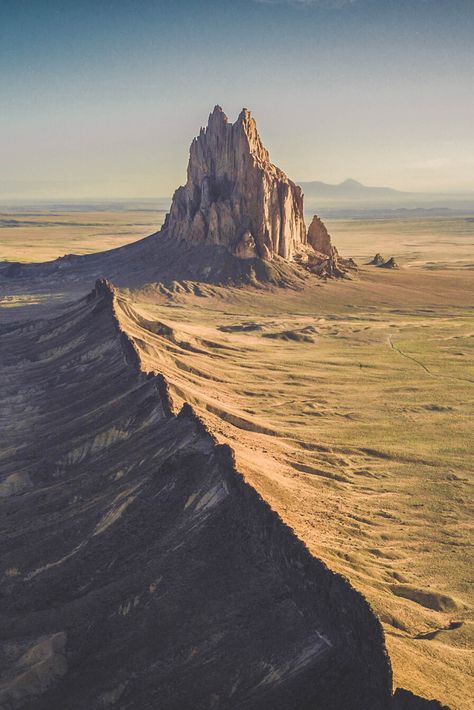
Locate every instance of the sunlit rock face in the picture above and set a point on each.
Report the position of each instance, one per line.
(320, 239)
(234, 196)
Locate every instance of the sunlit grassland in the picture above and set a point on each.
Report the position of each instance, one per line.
(361, 439)
(33, 236)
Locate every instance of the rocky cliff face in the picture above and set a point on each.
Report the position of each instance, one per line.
(234, 196)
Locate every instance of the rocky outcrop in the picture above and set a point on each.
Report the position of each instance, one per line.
(327, 267)
(390, 264)
(323, 258)
(320, 239)
(378, 260)
(246, 248)
(234, 196)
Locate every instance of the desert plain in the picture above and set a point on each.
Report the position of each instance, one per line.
(348, 404)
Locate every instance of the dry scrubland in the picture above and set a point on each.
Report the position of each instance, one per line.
(349, 406)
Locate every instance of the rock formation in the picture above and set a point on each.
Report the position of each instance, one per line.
(378, 260)
(390, 264)
(324, 259)
(234, 196)
(236, 212)
(320, 239)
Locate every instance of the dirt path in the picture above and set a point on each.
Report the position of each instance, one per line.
(408, 357)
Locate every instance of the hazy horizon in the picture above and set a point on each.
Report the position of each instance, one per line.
(101, 100)
(44, 195)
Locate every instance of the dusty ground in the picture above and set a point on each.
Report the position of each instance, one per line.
(349, 406)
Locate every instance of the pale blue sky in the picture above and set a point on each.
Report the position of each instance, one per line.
(102, 98)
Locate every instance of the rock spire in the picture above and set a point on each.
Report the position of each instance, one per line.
(234, 196)
(320, 239)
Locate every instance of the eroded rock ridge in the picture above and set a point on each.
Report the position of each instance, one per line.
(140, 570)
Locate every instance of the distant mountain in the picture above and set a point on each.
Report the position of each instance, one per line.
(349, 190)
(354, 198)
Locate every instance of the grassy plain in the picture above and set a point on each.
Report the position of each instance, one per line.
(428, 242)
(349, 406)
(42, 234)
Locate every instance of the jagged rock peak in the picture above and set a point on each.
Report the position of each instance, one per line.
(103, 288)
(234, 196)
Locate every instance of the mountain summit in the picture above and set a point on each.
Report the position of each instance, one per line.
(234, 196)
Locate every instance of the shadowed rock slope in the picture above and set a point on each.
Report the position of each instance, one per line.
(139, 570)
(157, 258)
